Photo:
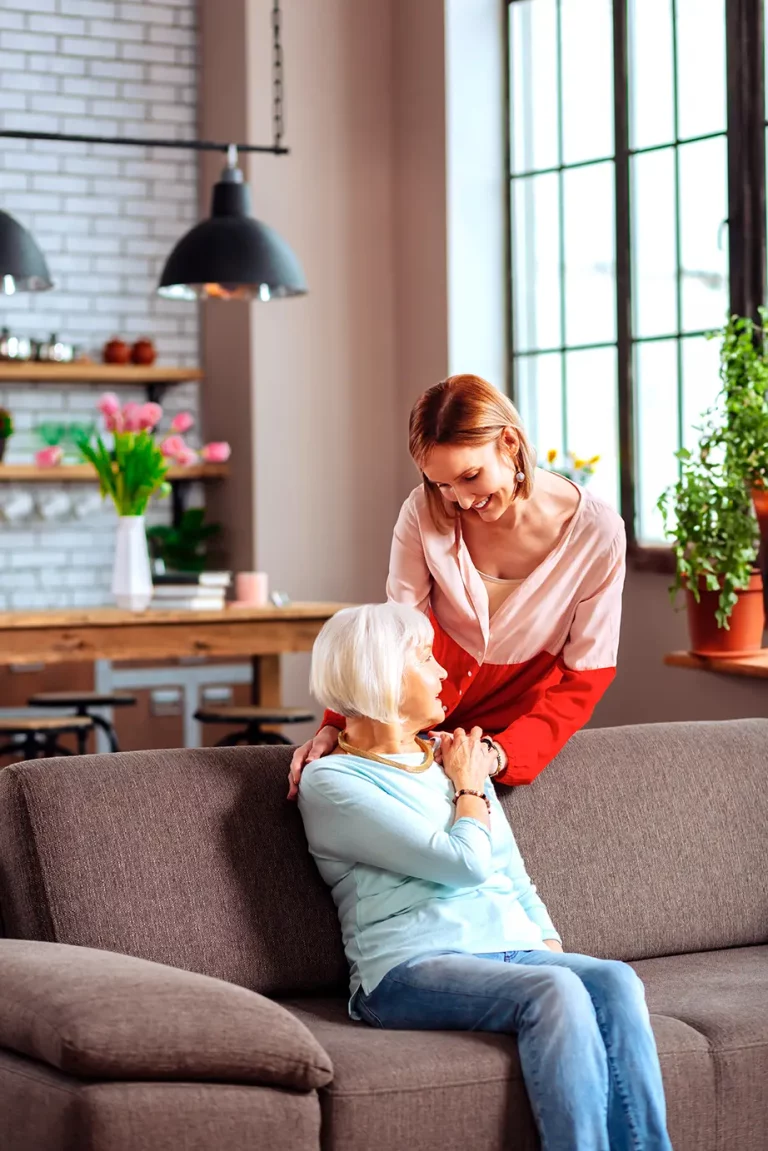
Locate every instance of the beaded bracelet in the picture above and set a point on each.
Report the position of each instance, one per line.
(479, 794)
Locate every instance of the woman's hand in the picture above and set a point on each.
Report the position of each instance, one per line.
(466, 760)
(322, 744)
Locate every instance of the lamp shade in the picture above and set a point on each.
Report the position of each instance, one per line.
(231, 255)
(22, 264)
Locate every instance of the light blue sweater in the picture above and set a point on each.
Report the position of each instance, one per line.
(406, 878)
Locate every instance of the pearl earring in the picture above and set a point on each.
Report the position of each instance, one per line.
(520, 477)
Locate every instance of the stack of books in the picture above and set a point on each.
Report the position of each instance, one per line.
(190, 591)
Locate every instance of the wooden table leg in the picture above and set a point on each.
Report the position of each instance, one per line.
(265, 685)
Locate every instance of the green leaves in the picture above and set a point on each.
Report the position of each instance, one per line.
(708, 514)
(183, 548)
(132, 473)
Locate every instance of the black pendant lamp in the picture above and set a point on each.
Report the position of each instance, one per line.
(22, 264)
(231, 255)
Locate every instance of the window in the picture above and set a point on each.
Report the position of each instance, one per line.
(623, 146)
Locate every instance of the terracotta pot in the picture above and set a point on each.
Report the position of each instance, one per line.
(747, 621)
(117, 352)
(760, 500)
(143, 352)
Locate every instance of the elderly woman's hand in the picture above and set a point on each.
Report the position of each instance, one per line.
(322, 744)
(466, 760)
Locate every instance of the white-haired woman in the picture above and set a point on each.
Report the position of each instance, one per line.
(442, 926)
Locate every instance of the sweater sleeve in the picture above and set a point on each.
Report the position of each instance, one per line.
(410, 580)
(588, 666)
(348, 818)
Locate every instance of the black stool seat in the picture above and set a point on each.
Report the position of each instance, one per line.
(35, 734)
(81, 701)
(254, 717)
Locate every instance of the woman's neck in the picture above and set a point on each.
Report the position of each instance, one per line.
(382, 738)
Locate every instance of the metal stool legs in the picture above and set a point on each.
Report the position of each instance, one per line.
(252, 735)
(105, 726)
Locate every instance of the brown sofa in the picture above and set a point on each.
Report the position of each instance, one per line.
(172, 977)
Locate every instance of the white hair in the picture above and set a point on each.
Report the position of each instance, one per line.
(360, 656)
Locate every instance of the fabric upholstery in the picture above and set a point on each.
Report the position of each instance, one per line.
(101, 1015)
(724, 996)
(44, 1110)
(195, 859)
(190, 858)
(651, 840)
(446, 1091)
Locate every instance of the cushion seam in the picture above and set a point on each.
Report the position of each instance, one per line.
(35, 852)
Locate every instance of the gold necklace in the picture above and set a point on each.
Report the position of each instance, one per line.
(429, 755)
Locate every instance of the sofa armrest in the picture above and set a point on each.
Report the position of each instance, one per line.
(99, 1014)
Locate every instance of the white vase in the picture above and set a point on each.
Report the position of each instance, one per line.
(131, 575)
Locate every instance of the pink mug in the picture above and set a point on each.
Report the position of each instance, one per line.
(252, 589)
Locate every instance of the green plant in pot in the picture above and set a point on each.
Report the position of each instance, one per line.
(6, 429)
(183, 548)
(709, 517)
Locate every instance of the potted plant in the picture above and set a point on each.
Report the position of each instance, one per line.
(183, 548)
(6, 429)
(709, 517)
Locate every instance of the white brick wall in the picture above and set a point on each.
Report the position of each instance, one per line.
(106, 219)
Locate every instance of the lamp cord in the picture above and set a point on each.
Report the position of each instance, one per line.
(277, 76)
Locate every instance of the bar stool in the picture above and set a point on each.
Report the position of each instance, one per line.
(254, 718)
(35, 735)
(82, 701)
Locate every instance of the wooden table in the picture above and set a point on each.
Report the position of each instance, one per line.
(85, 635)
(754, 666)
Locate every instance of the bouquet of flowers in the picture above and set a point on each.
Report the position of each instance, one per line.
(135, 467)
(573, 467)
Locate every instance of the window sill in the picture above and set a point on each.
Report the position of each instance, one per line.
(658, 558)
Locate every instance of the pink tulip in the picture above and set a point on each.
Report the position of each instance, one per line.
(186, 457)
(109, 405)
(217, 452)
(172, 447)
(132, 417)
(149, 416)
(182, 422)
(49, 457)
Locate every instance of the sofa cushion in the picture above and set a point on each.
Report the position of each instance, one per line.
(192, 858)
(44, 1110)
(723, 995)
(448, 1090)
(106, 1016)
(651, 840)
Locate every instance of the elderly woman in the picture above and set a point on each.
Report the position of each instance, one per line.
(442, 926)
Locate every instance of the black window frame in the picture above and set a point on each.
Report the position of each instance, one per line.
(746, 128)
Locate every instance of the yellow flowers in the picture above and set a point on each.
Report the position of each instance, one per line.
(574, 467)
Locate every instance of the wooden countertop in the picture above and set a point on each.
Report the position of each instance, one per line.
(115, 617)
(754, 666)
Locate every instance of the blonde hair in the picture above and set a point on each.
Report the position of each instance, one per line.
(465, 410)
(360, 656)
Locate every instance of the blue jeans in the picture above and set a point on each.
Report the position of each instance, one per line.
(587, 1051)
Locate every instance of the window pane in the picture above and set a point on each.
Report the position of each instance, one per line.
(700, 67)
(653, 244)
(533, 85)
(701, 384)
(592, 415)
(651, 94)
(539, 387)
(536, 262)
(656, 431)
(587, 40)
(703, 236)
(590, 272)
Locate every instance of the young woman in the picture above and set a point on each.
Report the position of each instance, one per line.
(520, 572)
(442, 927)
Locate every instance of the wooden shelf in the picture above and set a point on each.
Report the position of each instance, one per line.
(84, 473)
(754, 666)
(114, 375)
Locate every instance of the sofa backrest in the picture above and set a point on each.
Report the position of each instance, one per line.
(642, 840)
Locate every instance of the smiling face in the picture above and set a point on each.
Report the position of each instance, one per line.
(422, 684)
(478, 479)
